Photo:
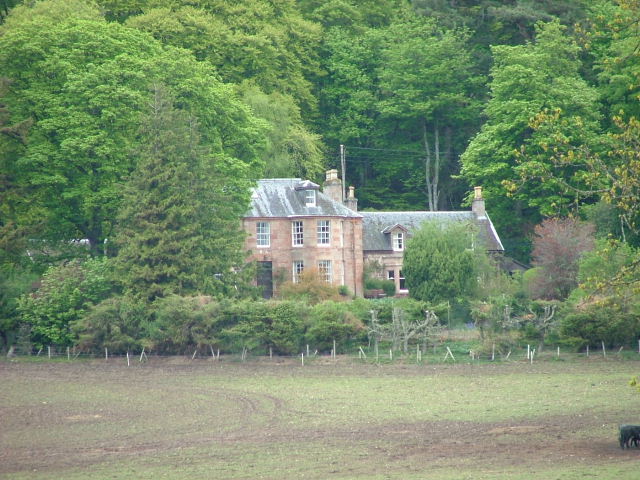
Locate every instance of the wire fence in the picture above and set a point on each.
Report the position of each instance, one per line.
(436, 354)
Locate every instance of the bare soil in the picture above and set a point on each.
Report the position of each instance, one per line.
(45, 429)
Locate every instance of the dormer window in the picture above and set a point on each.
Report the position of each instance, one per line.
(307, 192)
(397, 236)
(398, 241)
(310, 198)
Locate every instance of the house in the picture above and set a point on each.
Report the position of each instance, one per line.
(293, 224)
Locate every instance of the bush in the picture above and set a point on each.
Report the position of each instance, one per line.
(118, 323)
(329, 321)
(310, 288)
(601, 322)
(66, 293)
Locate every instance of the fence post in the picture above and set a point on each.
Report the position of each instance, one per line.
(49, 351)
(68, 356)
(493, 352)
(604, 351)
(587, 350)
(335, 352)
(558, 352)
(302, 358)
(128, 363)
(106, 353)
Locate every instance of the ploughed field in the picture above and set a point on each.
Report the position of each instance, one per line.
(338, 419)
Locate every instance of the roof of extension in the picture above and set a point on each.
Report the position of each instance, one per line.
(285, 197)
(377, 226)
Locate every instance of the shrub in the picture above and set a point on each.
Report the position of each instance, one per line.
(601, 322)
(329, 321)
(66, 292)
(310, 288)
(118, 323)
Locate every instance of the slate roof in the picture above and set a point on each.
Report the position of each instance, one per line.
(284, 197)
(375, 224)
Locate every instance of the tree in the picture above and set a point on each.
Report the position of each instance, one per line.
(558, 246)
(269, 43)
(64, 180)
(428, 86)
(178, 230)
(65, 294)
(527, 80)
(439, 263)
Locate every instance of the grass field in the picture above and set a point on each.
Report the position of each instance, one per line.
(339, 419)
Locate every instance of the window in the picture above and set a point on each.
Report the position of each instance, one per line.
(263, 234)
(324, 269)
(398, 241)
(324, 229)
(310, 198)
(391, 275)
(401, 281)
(298, 268)
(297, 232)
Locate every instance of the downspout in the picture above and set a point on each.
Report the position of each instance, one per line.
(353, 255)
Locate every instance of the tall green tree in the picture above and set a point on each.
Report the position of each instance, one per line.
(83, 83)
(527, 80)
(428, 87)
(440, 264)
(268, 42)
(178, 230)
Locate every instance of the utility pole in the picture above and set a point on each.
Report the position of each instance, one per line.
(343, 166)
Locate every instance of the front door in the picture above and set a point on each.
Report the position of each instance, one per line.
(265, 278)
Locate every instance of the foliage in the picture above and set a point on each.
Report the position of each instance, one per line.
(373, 280)
(291, 149)
(558, 245)
(439, 263)
(66, 293)
(14, 282)
(310, 287)
(268, 43)
(118, 324)
(178, 231)
(526, 80)
(602, 320)
(331, 321)
(86, 110)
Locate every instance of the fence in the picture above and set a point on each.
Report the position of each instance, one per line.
(437, 354)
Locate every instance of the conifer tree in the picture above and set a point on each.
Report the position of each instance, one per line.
(178, 228)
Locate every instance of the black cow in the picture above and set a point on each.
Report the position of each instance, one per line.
(629, 435)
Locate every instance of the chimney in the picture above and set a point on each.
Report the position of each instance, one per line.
(477, 206)
(351, 202)
(332, 186)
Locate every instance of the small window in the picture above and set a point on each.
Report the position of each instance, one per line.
(263, 234)
(391, 275)
(310, 198)
(297, 233)
(298, 268)
(398, 241)
(324, 230)
(401, 281)
(324, 269)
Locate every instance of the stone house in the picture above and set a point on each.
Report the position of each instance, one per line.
(293, 225)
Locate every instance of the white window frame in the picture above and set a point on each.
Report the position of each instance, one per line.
(297, 233)
(298, 268)
(402, 286)
(324, 232)
(310, 198)
(325, 270)
(391, 275)
(263, 234)
(398, 241)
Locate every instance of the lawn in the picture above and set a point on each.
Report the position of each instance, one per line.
(181, 419)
